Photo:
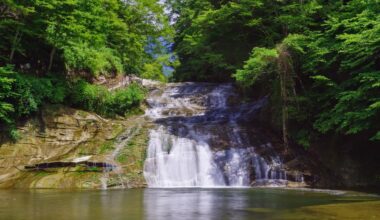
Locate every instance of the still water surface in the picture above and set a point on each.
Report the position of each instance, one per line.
(183, 204)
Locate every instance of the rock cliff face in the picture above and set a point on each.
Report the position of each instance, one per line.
(205, 136)
(68, 148)
(62, 134)
(351, 163)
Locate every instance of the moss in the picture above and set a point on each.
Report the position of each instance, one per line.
(106, 147)
(83, 113)
(122, 158)
(116, 129)
(133, 112)
(88, 148)
(42, 173)
(132, 158)
(92, 137)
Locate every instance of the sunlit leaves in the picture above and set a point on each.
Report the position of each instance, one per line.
(336, 61)
(257, 65)
(115, 32)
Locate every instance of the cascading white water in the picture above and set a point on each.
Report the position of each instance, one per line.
(176, 161)
(199, 140)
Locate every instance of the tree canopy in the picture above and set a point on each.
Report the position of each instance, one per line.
(93, 37)
(52, 50)
(318, 59)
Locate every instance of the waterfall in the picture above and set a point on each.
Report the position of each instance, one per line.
(202, 138)
(177, 161)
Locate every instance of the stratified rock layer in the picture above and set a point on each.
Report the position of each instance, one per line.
(64, 134)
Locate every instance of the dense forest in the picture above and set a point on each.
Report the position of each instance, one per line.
(318, 60)
(51, 52)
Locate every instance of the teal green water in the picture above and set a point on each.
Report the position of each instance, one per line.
(183, 204)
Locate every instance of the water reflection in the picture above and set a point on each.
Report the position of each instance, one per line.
(170, 204)
(63, 205)
(193, 204)
(166, 204)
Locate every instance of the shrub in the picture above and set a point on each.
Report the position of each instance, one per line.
(125, 99)
(107, 103)
(22, 95)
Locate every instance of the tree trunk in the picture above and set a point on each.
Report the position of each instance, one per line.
(284, 97)
(52, 53)
(14, 44)
(285, 70)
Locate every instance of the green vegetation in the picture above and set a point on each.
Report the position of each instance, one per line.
(106, 147)
(82, 37)
(51, 51)
(22, 95)
(98, 99)
(94, 169)
(122, 158)
(319, 60)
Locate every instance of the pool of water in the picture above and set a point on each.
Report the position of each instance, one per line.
(187, 203)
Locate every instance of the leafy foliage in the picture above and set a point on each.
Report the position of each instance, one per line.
(23, 95)
(6, 82)
(95, 36)
(256, 66)
(98, 99)
(319, 60)
(95, 61)
(356, 109)
(214, 37)
(56, 47)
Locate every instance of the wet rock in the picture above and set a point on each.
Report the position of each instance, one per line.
(50, 143)
(206, 136)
